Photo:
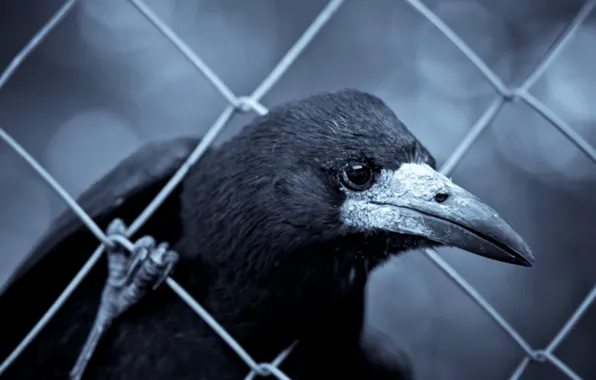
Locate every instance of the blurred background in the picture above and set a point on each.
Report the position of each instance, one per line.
(106, 81)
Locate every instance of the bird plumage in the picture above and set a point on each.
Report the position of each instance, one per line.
(258, 226)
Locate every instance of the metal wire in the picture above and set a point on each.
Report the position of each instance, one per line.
(252, 102)
(35, 41)
(237, 104)
(507, 94)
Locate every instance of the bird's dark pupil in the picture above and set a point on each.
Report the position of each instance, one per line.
(358, 174)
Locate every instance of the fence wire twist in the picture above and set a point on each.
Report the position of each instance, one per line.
(252, 103)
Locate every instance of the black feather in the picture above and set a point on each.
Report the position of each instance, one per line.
(256, 223)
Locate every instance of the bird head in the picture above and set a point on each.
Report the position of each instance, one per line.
(335, 184)
(346, 165)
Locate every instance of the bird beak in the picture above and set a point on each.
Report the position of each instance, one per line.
(417, 200)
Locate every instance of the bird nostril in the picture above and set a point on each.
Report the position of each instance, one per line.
(441, 197)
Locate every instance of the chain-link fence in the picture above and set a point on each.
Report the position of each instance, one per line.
(251, 103)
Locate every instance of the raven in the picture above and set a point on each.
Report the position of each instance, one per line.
(274, 232)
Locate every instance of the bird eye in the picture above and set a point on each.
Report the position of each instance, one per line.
(357, 177)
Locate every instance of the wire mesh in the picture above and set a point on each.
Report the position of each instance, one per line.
(252, 103)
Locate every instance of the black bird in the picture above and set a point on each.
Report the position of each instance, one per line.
(276, 231)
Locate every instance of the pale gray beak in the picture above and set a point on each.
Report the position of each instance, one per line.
(417, 200)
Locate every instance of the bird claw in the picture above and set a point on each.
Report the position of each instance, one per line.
(130, 276)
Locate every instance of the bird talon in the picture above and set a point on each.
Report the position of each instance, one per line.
(159, 253)
(129, 278)
(116, 227)
(138, 257)
(118, 261)
(169, 260)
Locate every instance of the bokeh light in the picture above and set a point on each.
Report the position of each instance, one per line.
(106, 81)
(98, 139)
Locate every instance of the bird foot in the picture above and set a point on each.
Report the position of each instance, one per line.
(130, 276)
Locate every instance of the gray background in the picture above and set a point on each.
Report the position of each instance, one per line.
(106, 81)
